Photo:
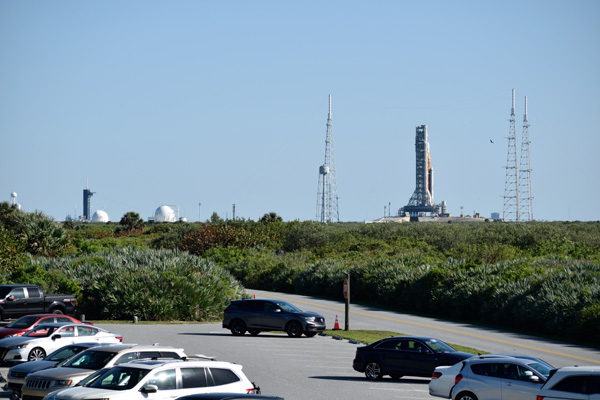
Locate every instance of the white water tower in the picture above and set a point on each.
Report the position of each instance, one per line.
(13, 200)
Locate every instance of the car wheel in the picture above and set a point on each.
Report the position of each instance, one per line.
(310, 334)
(373, 370)
(466, 396)
(254, 332)
(294, 329)
(57, 311)
(238, 328)
(36, 354)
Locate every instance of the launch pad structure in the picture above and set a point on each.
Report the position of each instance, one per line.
(421, 202)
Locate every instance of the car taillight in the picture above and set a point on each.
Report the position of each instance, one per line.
(458, 378)
(436, 375)
(120, 338)
(538, 397)
(251, 391)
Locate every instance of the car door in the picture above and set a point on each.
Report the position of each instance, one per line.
(193, 380)
(485, 379)
(272, 316)
(520, 382)
(166, 382)
(393, 357)
(67, 336)
(420, 359)
(253, 311)
(34, 302)
(14, 302)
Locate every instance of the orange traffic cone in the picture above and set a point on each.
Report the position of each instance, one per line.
(336, 326)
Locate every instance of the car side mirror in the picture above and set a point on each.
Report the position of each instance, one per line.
(57, 336)
(149, 389)
(534, 379)
(277, 310)
(10, 297)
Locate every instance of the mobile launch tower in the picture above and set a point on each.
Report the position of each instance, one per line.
(87, 199)
(327, 200)
(421, 202)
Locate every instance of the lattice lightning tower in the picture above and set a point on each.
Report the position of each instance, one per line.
(511, 188)
(327, 200)
(526, 203)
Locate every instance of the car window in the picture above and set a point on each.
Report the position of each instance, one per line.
(594, 384)
(85, 331)
(487, 369)
(66, 331)
(392, 344)
(268, 307)
(119, 378)
(250, 306)
(64, 353)
(63, 319)
(24, 322)
(572, 384)
(127, 357)
(517, 372)
(149, 354)
(18, 293)
(47, 320)
(33, 292)
(169, 354)
(223, 376)
(193, 378)
(164, 380)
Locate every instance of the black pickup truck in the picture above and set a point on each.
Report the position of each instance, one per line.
(19, 300)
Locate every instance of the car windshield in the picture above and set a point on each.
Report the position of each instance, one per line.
(287, 306)
(21, 323)
(89, 359)
(41, 331)
(92, 378)
(542, 368)
(65, 352)
(119, 378)
(438, 346)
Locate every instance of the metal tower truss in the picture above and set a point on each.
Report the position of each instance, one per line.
(511, 188)
(327, 199)
(526, 203)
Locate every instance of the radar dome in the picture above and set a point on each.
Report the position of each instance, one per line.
(100, 216)
(164, 214)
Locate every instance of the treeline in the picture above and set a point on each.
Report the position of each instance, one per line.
(542, 277)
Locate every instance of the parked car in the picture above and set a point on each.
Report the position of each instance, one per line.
(514, 377)
(44, 339)
(228, 396)
(405, 356)
(162, 380)
(71, 371)
(256, 316)
(24, 324)
(18, 373)
(19, 300)
(569, 383)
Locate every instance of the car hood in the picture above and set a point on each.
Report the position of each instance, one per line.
(63, 373)
(33, 366)
(82, 393)
(10, 331)
(459, 355)
(309, 314)
(11, 341)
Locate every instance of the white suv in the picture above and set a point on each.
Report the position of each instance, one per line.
(164, 379)
(69, 372)
(572, 383)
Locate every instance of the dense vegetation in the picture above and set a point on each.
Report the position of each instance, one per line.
(542, 277)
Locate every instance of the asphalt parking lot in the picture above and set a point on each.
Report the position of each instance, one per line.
(294, 368)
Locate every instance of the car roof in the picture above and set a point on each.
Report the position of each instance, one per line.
(58, 324)
(152, 364)
(579, 368)
(42, 315)
(122, 347)
(227, 396)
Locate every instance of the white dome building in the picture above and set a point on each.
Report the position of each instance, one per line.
(100, 216)
(164, 214)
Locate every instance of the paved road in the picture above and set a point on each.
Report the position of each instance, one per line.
(321, 367)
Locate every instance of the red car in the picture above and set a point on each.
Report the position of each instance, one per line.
(24, 324)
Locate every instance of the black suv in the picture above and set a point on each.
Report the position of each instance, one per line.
(255, 316)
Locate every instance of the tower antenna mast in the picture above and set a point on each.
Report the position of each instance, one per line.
(511, 188)
(526, 211)
(327, 199)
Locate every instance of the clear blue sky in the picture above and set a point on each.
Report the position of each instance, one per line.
(225, 102)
